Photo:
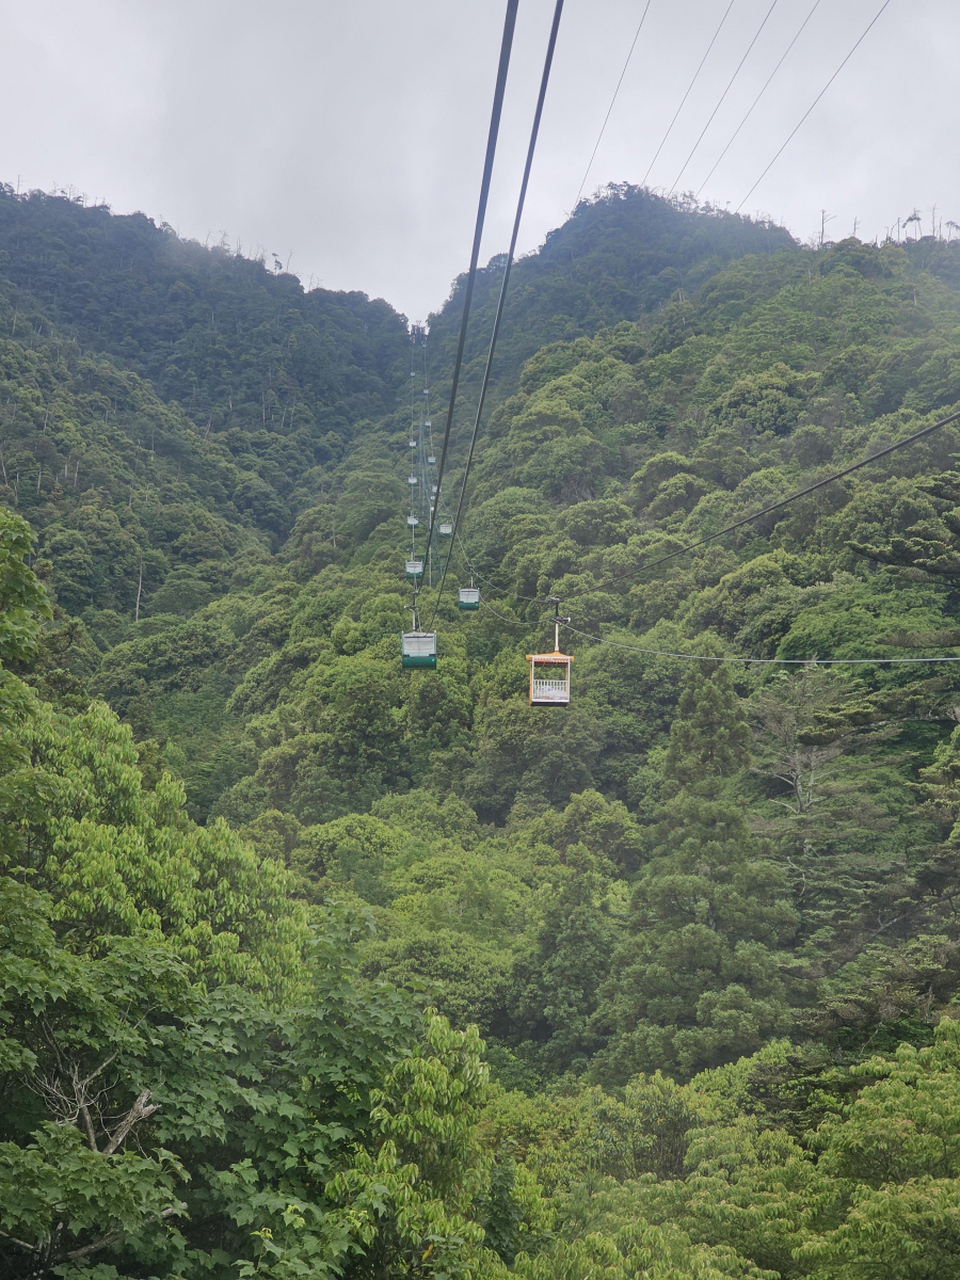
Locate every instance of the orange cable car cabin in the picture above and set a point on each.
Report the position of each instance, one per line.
(549, 679)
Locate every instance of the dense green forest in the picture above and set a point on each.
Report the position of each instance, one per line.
(311, 965)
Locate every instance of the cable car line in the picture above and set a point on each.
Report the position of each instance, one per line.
(782, 662)
(593, 154)
(506, 46)
(419, 648)
(773, 506)
(510, 622)
(696, 75)
(796, 127)
(723, 95)
(528, 166)
(750, 109)
(744, 520)
(550, 673)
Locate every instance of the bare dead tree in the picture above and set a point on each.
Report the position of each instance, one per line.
(79, 1100)
(136, 614)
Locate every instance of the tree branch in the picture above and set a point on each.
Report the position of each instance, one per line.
(139, 1111)
(112, 1237)
(22, 1243)
(88, 1125)
(82, 1084)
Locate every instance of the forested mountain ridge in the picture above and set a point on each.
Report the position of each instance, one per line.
(622, 257)
(235, 343)
(693, 916)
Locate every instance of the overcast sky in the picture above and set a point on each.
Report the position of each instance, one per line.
(348, 137)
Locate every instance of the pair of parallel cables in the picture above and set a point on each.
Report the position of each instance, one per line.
(505, 50)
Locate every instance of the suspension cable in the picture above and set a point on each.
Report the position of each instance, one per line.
(696, 75)
(766, 85)
(506, 45)
(723, 95)
(531, 148)
(596, 147)
(772, 506)
(796, 127)
(731, 528)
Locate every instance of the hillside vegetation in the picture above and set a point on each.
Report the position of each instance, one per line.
(310, 964)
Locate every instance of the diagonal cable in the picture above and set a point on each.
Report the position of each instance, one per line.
(696, 76)
(750, 109)
(772, 506)
(713, 113)
(531, 148)
(745, 520)
(613, 100)
(796, 127)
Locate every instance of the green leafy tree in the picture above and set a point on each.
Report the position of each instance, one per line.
(893, 1165)
(408, 1205)
(75, 1179)
(23, 601)
(828, 806)
(557, 984)
(697, 977)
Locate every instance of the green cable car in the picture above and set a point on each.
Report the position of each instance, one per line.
(414, 569)
(469, 598)
(418, 648)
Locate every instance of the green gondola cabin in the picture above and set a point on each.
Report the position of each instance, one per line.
(418, 649)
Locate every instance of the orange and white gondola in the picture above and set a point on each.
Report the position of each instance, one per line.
(549, 679)
(550, 672)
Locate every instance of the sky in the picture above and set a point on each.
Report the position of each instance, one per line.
(347, 138)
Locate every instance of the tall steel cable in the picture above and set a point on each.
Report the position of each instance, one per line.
(723, 95)
(531, 148)
(760, 662)
(796, 127)
(696, 76)
(744, 520)
(603, 127)
(506, 45)
(753, 104)
(772, 506)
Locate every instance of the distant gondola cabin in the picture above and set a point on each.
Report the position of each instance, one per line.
(469, 598)
(549, 679)
(414, 568)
